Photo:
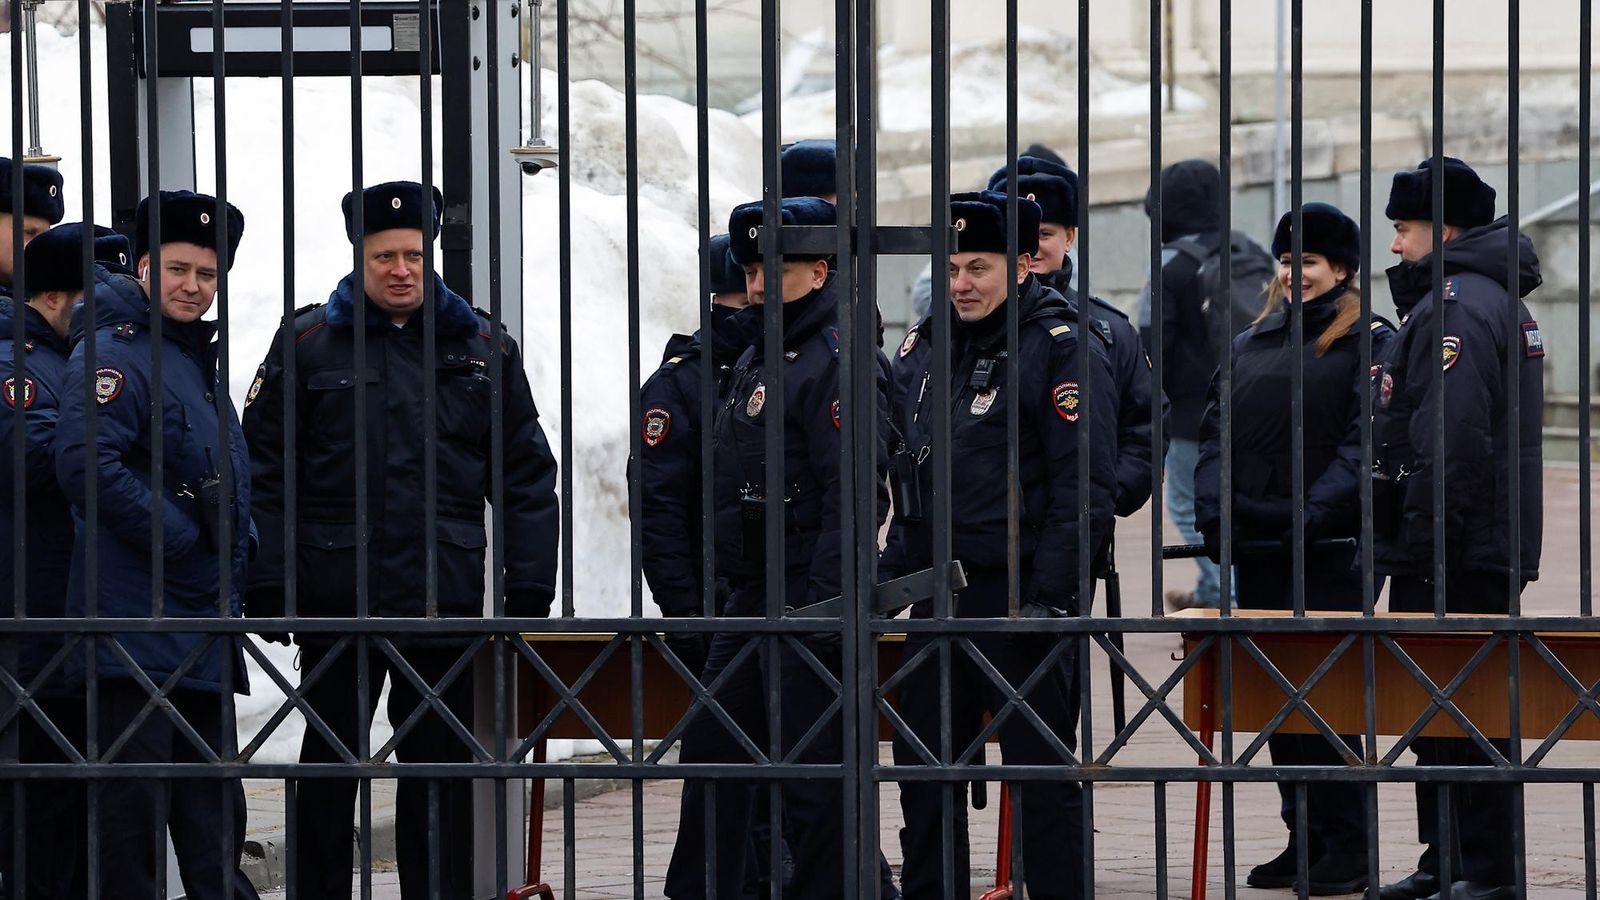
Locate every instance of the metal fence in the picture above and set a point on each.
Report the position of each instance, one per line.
(152, 51)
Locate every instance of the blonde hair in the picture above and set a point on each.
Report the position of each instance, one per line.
(1347, 310)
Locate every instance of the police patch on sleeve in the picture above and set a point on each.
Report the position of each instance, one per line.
(1067, 400)
(758, 399)
(29, 392)
(1386, 390)
(1532, 340)
(982, 401)
(910, 342)
(107, 385)
(657, 422)
(255, 386)
(1452, 351)
(835, 414)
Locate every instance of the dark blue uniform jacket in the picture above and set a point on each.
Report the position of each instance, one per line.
(32, 401)
(322, 339)
(194, 444)
(811, 420)
(1055, 406)
(669, 472)
(1477, 455)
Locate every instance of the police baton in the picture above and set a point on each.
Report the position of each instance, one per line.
(1252, 548)
(889, 597)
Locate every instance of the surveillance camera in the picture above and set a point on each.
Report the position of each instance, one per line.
(535, 158)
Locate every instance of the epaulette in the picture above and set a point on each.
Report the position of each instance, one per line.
(309, 318)
(1104, 329)
(1111, 308)
(124, 332)
(831, 335)
(1380, 325)
(1063, 330)
(1450, 289)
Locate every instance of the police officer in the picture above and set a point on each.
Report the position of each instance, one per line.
(810, 406)
(669, 465)
(385, 298)
(1264, 500)
(202, 497)
(1055, 188)
(808, 169)
(42, 207)
(1056, 404)
(1468, 370)
(53, 816)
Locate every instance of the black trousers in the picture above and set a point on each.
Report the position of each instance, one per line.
(52, 817)
(812, 808)
(323, 838)
(1336, 821)
(1481, 814)
(1050, 813)
(205, 817)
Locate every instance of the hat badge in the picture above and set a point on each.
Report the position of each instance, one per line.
(961, 224)
(205, 218)
(52, 190)
(395, 202)
(1032, 196)
(753, 232)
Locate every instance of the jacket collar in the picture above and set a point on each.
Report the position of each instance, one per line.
(33, 324)
(455, 316)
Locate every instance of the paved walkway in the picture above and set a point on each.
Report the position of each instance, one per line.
(1124, 840)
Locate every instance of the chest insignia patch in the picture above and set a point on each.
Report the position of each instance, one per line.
(1386, 390)
(1532, 340)
(910, 342)
(107, 385)
(255, 386)
(1452, 351)
(125, 330)
(758, 399)
(981, 401)
(28, 392)
(1067, 401)
(657, 422)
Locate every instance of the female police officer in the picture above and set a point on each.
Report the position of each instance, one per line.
(1264, 499)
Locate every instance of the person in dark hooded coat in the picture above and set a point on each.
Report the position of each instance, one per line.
(1467, 374)
(1191, 191)
(193, 516)
(1055, 405)
(1264, 500)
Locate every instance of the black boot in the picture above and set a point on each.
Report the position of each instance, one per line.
(1338, 873)
(1277, 872)
(1416, 886)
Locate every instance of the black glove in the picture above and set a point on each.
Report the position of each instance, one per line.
(529, 603)
(1212, 539)
(266, 602)
(692, 647)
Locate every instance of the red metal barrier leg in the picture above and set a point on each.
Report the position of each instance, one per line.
(1002, 876)
(1202, 791)
(535, 887)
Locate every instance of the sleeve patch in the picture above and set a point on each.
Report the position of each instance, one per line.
(1066, 399)
(835, 414)
(1532, 340)
(29, 392)
(657, 422)
(107, 385)
(255, 386)
(1452, 351)
(909, 343)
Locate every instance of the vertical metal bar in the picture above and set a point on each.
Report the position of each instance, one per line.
(433, 839)
(708, 363)
(1585, 193)
(363, 648)
(569, 814)
(1017, 861)
(91, 489)
(1158, 433)
(1437, 259)
(430, 319)
(1225, 371)
(1086, 379)
(157, 395)
(1302, 835)
(1369, 592)
(1447, 838)
(1513, 362)
(31, 33)
(1297, 319)
(1161, 815)
(564, 256)
(1230, 887)
(1588, 841)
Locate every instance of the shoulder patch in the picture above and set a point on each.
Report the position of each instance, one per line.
(657, 423)
(910, 343)
(29, 392)
(1532, 340)
(835, 414)
(108, 384)
(1451, 351)
(1067, 400)
(255, 386)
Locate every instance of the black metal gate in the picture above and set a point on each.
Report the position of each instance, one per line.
(152, 51)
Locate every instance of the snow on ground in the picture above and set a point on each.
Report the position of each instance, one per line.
(391, 132)
(1047, 71)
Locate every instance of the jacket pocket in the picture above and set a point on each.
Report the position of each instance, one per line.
(325, 563)
(463, 403)
(331, 402)
(462, 546)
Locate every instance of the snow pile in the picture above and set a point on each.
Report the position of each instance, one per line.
(1047, 70)
(391, 132)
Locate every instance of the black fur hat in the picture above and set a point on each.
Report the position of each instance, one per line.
(41, 191)
(1051, 185)
(979, 218)
(1468, 202)
(186, 218)
(808, 168)
(744, 226)
(1328, 232)
(394, 204)
(53, 261)
(727, 276)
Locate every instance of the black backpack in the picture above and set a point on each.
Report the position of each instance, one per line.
(1251, 269)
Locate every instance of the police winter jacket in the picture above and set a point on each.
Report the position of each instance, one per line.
(669, 460)
(1131, 366)
(1476, 455)
(32, 401)
(1263, 448)
(131, 495)
(812, 415)
(1055, 405)
(322, 339)
(1188, 209)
